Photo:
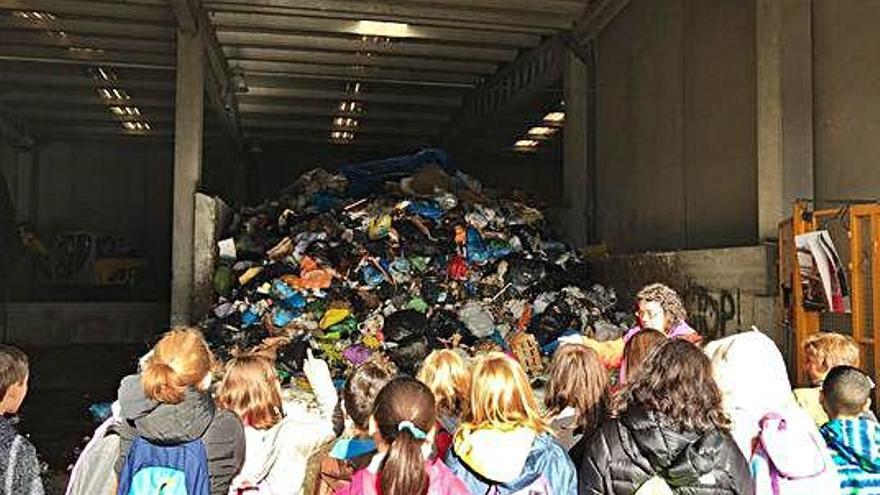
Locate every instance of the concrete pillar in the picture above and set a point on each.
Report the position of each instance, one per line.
(768, 26)
(784, 113)
(576, 179)
(188, 133)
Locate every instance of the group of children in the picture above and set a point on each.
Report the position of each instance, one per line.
(678, 417)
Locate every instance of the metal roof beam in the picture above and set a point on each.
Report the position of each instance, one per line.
(114, 27)
(283, 111)
(46, 97)
(37, 80)
(112, 10)
(358, 59)
(530, 73)
(371, 96)
(567, 7)
(473, 15)
(94, 57)
(360, 73)
(37, 38)
(252, 124)
(309, 24)
(314, 41)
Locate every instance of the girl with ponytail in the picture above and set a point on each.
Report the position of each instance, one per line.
(402, 425)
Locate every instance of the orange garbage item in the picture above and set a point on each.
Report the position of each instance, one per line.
(610, 351)
(311, 276)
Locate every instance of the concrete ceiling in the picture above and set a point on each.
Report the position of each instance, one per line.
(300, 69)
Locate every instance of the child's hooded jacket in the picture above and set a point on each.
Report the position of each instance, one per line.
(511, 461)
(855, 448)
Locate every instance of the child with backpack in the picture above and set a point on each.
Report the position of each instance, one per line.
(173, 437)
(402, 424)
(504, 445)
(669, 433)
(19, 468)
(448, 376)
(355, 448)
(785, 451)
(280, 437)
(576, 393)
(823, 351)
(853, 439)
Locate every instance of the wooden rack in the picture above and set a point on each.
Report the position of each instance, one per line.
(855, 230)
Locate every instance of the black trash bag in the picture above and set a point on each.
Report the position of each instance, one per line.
(442, 326)
(292, 355)
(547, 327)
(405, 326)
(524, 273)
(409, 356)
(432, 291)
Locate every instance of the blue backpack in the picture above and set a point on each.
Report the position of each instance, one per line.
(165, 470)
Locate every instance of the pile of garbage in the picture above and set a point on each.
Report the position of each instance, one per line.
(403, 255)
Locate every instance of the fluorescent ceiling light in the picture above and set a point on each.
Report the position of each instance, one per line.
(34, 15)
(525, 143)
(541, 131)
(379, 28)
(557, 117)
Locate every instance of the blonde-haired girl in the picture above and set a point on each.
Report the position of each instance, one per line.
(447, 375)
(169, 403)
(504, 444)
(280, 436)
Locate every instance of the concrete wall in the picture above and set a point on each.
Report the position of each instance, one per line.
(846, 76)
(58, 324)
(120, 188)
(676, 156)
(724, 290)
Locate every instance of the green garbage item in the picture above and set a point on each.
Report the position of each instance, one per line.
(420, 263)
(417, 304)
(344, 327)
(223, 280)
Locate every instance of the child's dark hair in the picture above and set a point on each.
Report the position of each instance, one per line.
(404, 413)
(363, 386)
(846, 390)
(13, 367)
(676, 381)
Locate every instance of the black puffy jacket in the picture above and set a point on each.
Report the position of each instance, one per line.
(626, 452)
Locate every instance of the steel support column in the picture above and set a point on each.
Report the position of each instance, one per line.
(188, 133)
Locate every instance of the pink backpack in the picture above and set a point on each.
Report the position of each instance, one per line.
(790, 458)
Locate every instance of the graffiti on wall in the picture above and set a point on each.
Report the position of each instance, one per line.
(713, 313)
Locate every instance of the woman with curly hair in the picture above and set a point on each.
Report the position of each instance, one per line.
(668, 432)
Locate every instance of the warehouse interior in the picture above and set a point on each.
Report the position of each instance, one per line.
(656, 132)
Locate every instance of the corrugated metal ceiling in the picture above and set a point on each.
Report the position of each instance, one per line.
(304, 69)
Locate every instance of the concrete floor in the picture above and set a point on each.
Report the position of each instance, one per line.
(64, 381)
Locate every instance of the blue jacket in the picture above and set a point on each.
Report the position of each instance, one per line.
(510, 462)
(855, 448)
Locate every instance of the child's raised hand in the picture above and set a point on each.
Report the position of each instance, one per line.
(318, 374)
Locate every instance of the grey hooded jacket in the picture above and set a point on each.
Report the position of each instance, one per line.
(170, 424)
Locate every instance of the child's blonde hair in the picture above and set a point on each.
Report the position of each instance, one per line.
(827, 350)
(181, 359)
(446, 373)
(501, 397)
(250, 388)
